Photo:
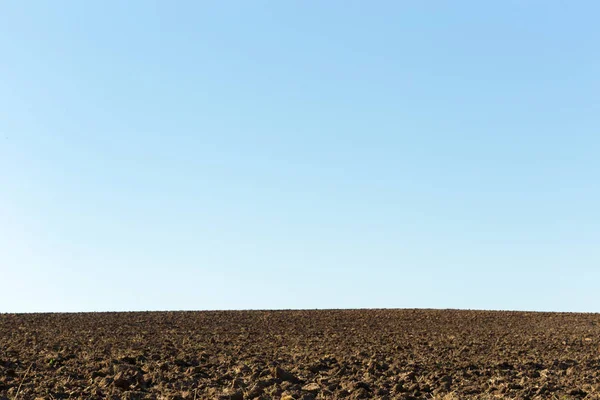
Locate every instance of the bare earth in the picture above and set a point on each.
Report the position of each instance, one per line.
(353, 354)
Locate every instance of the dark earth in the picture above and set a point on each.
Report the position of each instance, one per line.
(329, 354)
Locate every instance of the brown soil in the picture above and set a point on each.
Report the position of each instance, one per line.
(353, 354)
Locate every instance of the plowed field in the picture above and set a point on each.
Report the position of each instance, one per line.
(353, 354)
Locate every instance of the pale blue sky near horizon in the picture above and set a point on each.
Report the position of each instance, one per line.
(299, 154)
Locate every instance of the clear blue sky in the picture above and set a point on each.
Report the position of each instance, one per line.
(299, 154)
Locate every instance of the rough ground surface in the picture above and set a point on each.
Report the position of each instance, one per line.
(353, 354)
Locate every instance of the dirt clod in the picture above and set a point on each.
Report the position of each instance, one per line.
(284, 375)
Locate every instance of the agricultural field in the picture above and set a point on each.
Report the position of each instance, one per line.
(313, 354)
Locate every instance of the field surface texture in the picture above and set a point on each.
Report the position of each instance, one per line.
(352, 354)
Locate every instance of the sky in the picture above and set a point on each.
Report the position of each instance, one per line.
(299, 154)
